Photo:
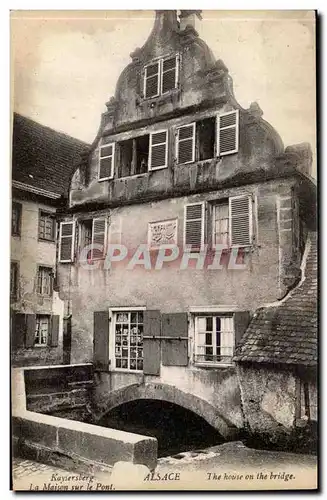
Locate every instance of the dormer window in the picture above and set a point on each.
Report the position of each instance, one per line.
(143, 153)
(207, 138)
(161, 76)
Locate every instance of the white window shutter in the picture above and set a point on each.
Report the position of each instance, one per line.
(158, 150)
(106, 161)
(169, 74)
(240, 220)
(186, 144)
(66, 241)
(194, 224)
(227, 133)
(152, 80)
(99, 237)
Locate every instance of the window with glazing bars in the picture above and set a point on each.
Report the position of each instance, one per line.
(128, 328)
(44, 280)
(214, 339)
(16, 215)
(46, 226)
(42, 329)
(221, 224)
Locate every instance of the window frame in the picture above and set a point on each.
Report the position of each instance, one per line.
(38, 319)
(236, 126)
(66, 236)
(183, 140)
(19, 222)
(81, 235)
(49, 215)
(217, 203)
(251, 222)
(203, 219)
(112, 156)
(14, 296)
(51, 269)
(212, 313)
(150, 168)
(112, 336)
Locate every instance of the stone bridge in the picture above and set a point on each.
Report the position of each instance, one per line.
(211, 394)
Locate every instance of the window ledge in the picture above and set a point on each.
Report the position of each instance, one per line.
(125, 370)
(105, 179)
(213, 365)
(247, 248)
(135, 176)
(162, 98)
(45, 240)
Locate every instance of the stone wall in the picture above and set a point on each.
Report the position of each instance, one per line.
(60, 391)
(172, 289)
(73, 445)
(273, 404)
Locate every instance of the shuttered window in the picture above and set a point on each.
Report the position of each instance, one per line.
(99, 237)
(106, 161)
(186, 144)
(158, 150)
(161, 76)
(227, 133)
(240, 220)
(128, 332)
(42, 330)
(169, 74)
(66, 241)
(152, 80)
(194, 221)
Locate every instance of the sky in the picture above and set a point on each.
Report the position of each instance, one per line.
(65, 64)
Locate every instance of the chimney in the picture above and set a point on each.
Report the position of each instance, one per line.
(187, 18)
(166, 20)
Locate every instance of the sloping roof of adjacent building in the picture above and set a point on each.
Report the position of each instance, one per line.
(287, 333)
(42, 157)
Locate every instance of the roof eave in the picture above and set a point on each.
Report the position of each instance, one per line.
(33, 189)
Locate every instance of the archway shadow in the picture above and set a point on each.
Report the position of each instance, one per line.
(175, 428)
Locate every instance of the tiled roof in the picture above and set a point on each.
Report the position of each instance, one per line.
(42, 157)
(286, 333)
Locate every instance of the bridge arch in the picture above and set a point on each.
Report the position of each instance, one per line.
(171, 394)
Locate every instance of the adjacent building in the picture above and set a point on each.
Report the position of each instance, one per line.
(187, 215)
(277, 359)
(43, 161)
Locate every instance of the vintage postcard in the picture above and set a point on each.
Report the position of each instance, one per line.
(163, 277)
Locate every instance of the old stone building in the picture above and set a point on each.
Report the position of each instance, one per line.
(277, 360)
(42, 164)
(187, 216)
